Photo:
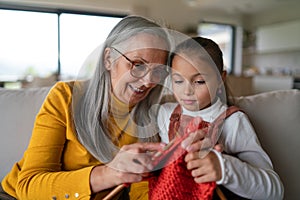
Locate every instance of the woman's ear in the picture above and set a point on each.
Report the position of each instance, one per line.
(223, 75)
(107, 58)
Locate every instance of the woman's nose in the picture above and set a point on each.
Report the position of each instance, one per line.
(147, 80)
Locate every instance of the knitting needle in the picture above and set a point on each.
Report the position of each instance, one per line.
(115, 191)
(119, 188)
(159, 153)
(220, 193)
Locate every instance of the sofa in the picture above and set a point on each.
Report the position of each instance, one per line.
(275, 116)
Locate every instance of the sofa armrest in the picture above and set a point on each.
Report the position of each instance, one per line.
(18, 110)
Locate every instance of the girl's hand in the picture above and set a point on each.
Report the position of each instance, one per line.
(206, 169)
(193, 142)
(130, 165)
(196, 135)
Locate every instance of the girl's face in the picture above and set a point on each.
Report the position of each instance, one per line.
(194, 81)
(125, 86)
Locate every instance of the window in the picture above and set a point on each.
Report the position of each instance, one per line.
(223, 35)
(79, 36)
(41, 43)
(28, 44)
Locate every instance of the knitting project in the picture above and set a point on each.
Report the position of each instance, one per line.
(172, 180)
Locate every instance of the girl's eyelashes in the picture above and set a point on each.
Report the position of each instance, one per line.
(199, 82)
(196, 80)
(178, 81)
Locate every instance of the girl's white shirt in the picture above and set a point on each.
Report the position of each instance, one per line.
(246, 168)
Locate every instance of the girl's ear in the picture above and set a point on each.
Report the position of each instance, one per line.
(107, 58)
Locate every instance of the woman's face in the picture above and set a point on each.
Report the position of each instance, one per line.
(194, 82)
(141, 49)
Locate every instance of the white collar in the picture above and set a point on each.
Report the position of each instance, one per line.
(208, 114)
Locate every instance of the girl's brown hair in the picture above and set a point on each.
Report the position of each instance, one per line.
(207, 50)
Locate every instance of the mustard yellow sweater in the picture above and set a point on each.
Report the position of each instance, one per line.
(55, 165)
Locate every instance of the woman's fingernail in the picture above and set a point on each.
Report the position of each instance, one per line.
(150, 166)
(188, 148)
(140, 178)
(184, 144)
(163, 144)
(187, 130)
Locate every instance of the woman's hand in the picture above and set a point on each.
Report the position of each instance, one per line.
(130, 165)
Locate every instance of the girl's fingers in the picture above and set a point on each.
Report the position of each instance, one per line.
(204, 174)
(196, 146)
(203, 179)
(219, 147)
(191, 156)
(204, 170)
(193, 137)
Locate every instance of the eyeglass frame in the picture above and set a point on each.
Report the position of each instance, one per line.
(133, 64)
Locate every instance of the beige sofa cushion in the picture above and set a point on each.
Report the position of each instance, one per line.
(18, 109)
(276, 119)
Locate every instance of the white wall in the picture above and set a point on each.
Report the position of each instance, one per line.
(179, 16)
(177, 13)
(277, 49)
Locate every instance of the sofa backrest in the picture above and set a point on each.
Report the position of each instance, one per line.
(18, 109)
(276, 119)
(274, 115)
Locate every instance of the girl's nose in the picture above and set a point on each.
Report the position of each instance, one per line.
(188, 89)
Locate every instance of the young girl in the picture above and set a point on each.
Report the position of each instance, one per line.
(243, 168)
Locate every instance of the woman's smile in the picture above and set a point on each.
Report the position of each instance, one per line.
(135, 89)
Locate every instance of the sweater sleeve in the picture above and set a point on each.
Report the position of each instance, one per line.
(248, 169)
(42, 175)
(139, 191)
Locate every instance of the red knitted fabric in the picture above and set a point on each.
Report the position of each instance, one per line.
(174, 181)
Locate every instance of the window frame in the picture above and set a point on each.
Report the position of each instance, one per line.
(59, 12)
(233, 39)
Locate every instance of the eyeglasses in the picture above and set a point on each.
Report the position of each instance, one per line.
(139, 69)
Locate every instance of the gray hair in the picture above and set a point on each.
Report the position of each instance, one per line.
(91, 98)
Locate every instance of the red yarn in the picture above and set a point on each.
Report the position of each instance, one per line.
(174, 180)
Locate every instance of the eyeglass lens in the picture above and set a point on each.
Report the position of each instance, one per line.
(140, 69)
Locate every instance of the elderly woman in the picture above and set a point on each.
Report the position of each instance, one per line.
(93, 135)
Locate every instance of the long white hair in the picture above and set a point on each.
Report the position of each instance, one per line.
(91, 99)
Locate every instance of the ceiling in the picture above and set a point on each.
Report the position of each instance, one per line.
(185, 13)
(247, 7)
(243, 6)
